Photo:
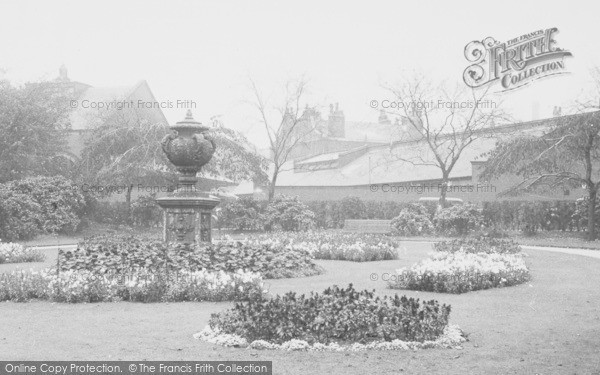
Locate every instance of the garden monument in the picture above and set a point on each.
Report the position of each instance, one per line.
(187, 211)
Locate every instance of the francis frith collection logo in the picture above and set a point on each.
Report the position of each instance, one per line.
(514, 63)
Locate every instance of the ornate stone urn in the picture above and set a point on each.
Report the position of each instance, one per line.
(188, 211)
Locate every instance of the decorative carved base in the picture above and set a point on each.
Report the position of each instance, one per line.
(187, 220)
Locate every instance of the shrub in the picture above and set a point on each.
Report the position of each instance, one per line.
(462, 272)
(139, 286)
(145, 212)
(242, 214)
(39, 204)
(60, 200)
(336, 314)
(352, 208)
(458, 220)
(335, 245)
(17, 253)
(412, 221)
(580, 213)
(122, 254)
(476, 245)
(288, 214)
(20, 215)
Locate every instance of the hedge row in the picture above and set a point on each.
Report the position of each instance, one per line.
(246, 214)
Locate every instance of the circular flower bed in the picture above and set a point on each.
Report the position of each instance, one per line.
(337, 319)
(465, 265)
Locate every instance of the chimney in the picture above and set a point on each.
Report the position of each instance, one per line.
(557, 112)
(337, 122)
(62, 73)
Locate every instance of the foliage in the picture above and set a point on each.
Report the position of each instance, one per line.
(474, 245)
(33, 124)
(20, 215)
(140, 286)
(145, 212)
(458, 220)
(566, 156)
(288, 214)
(103, 254)
(235, 157)
(352, 208)
(125, 150)
(17, 253)
(336, 314)
(60, 200)
(242, 214)
(497, 216)
(581, 210)
(461, 272)
(412, 221)
(334, 245)
(40, 204)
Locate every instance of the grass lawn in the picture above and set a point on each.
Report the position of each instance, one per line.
(550, 326)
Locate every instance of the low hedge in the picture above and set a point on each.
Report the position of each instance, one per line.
(337, 314)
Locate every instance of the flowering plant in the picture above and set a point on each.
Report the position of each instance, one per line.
(16, 253)
(461, 272)
(140, 286)
(452, 338)
(343, 314)
(335, 245)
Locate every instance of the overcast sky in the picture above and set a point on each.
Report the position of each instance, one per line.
(205, 51)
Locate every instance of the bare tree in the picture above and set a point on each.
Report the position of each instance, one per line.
(445, 122)
(284, 125)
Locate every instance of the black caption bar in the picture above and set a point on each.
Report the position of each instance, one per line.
(136, 367)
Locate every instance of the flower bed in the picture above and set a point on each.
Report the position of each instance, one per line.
(452, 337)
(17, 253)
(461, 272)
(336, 315)
(479, 245)
(127, 254)
(141, 286)
(333, 245)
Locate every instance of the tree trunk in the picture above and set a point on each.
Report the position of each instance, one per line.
(591, 222)
(129, 218)
(272, 185)
(442, 202)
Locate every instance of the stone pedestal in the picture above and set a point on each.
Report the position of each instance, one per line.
(188, 210)
(187, 219)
